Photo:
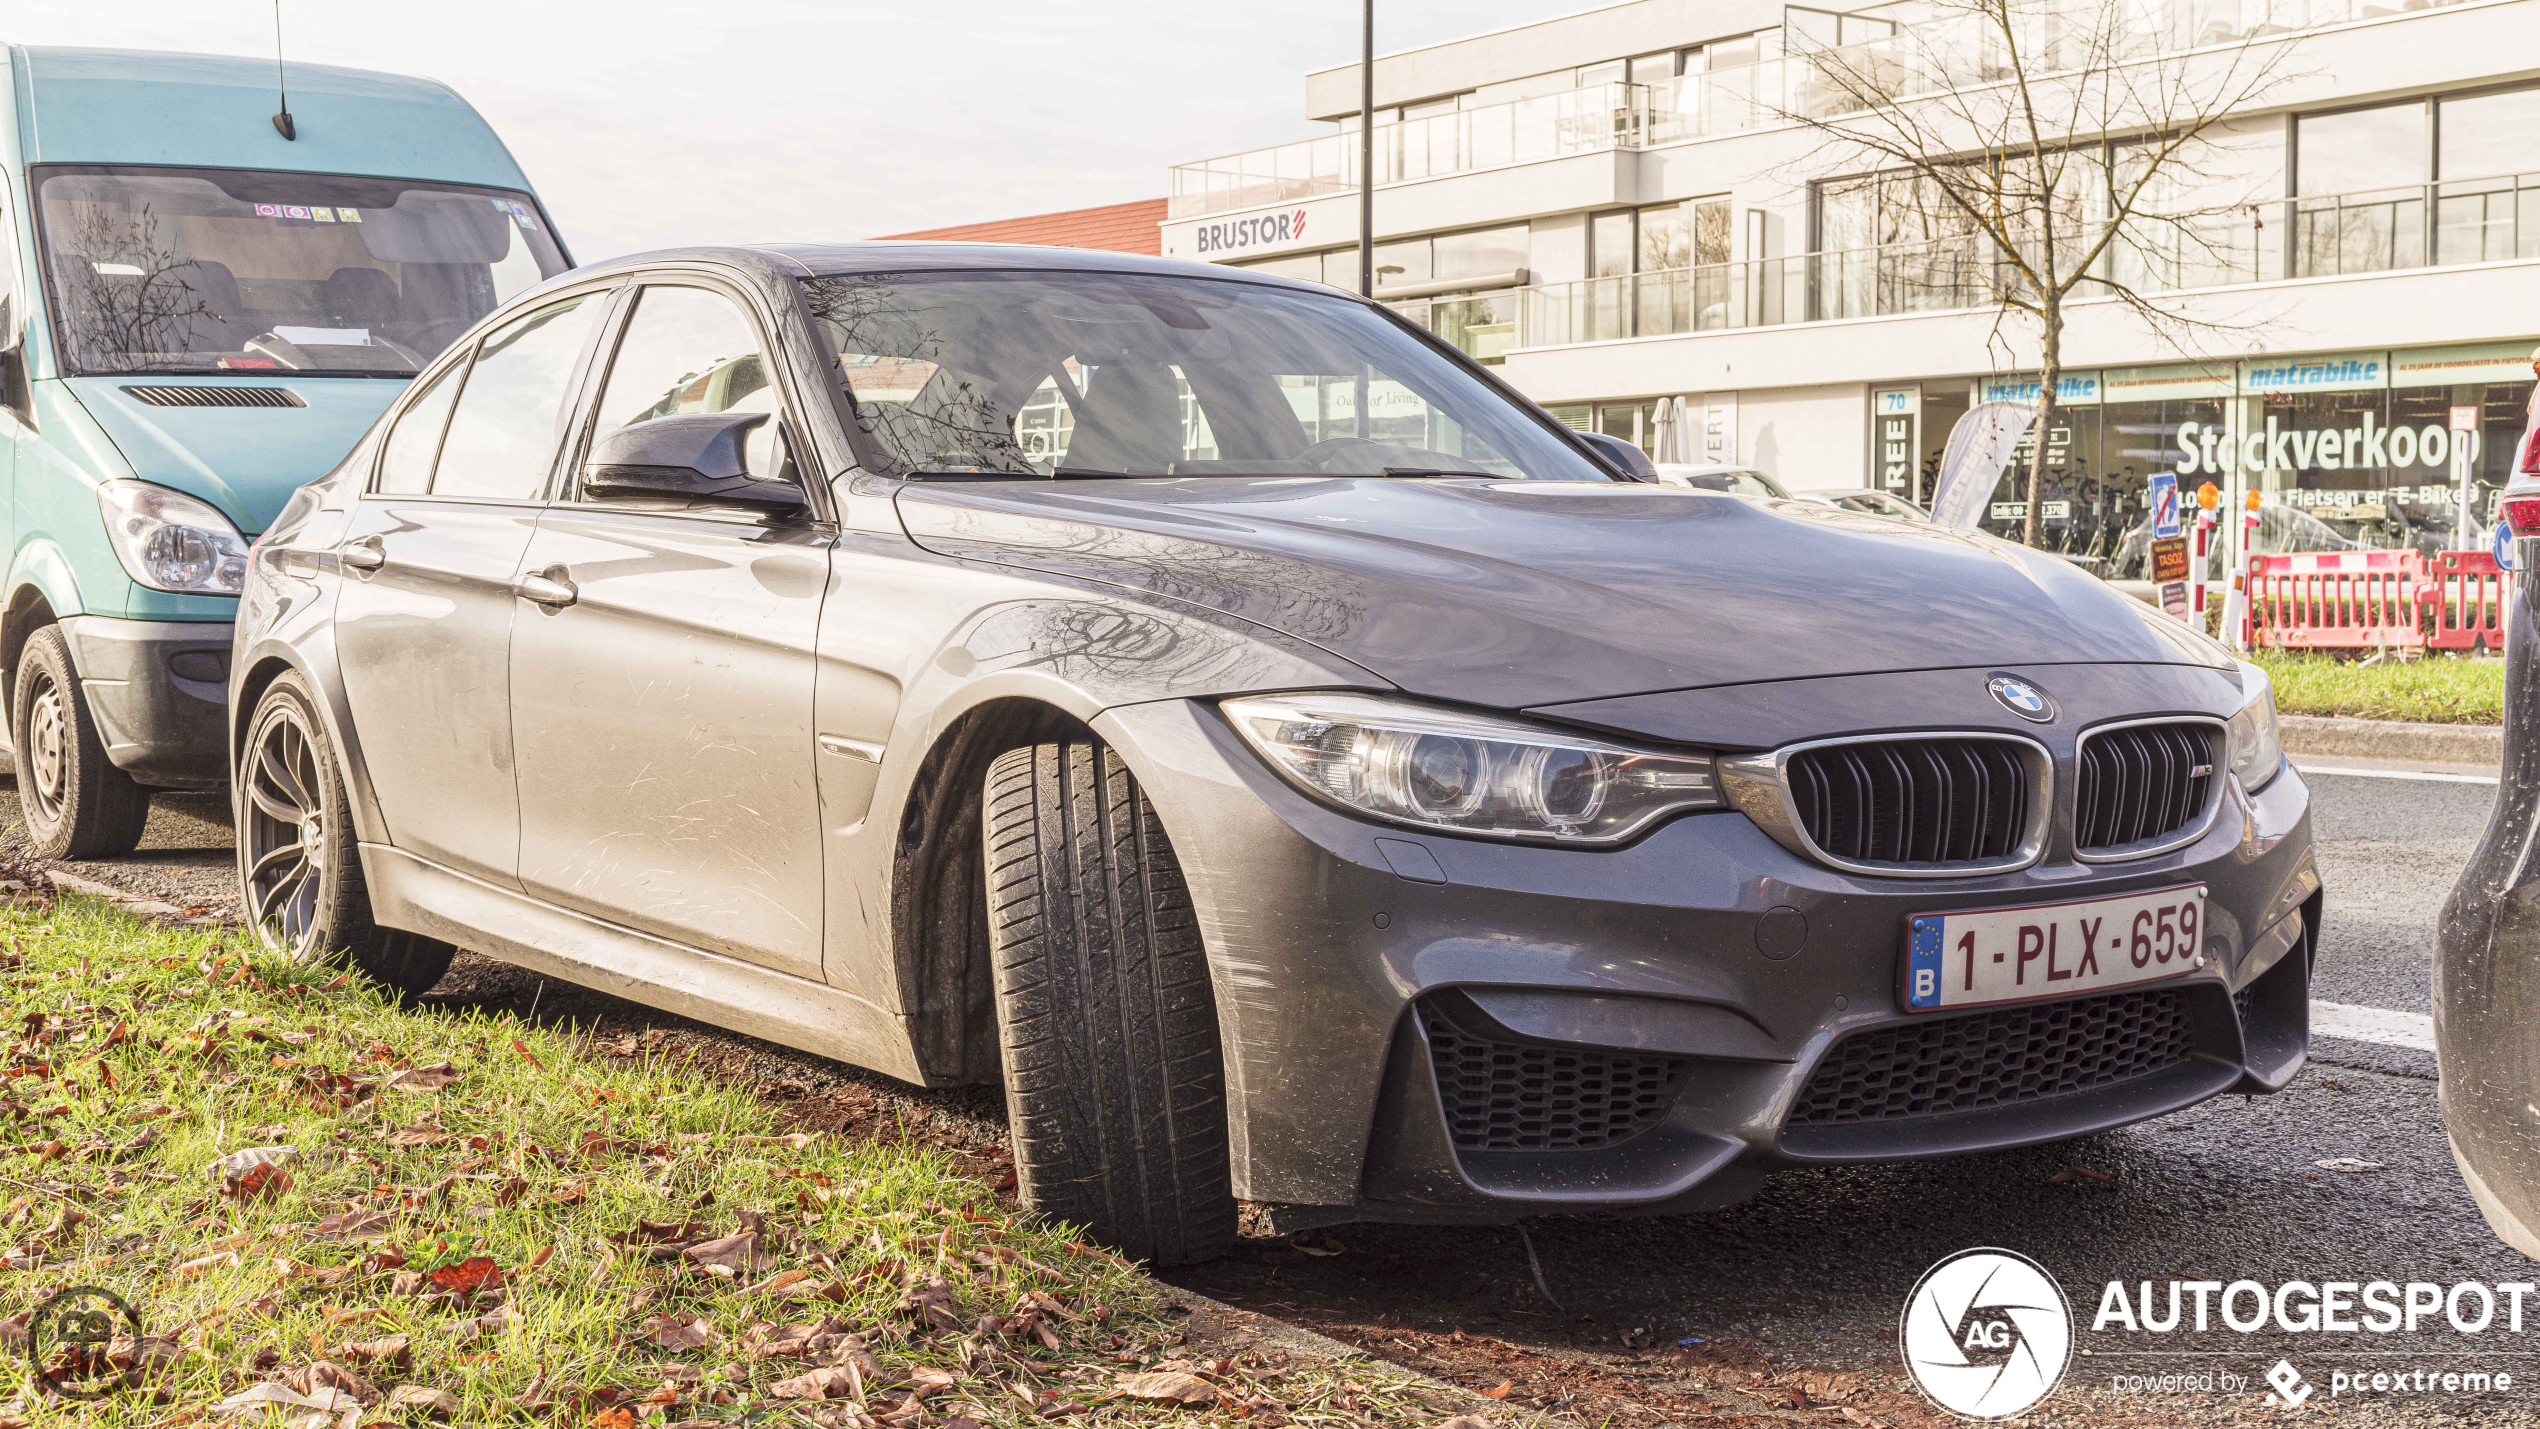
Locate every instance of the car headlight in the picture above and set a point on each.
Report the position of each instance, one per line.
(2250, 740)
(1469, 774)
(170, 541)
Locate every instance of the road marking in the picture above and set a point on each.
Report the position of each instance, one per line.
(2399, 774)
(2372, 1024)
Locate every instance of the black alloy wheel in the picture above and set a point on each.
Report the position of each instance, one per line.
(298, 863)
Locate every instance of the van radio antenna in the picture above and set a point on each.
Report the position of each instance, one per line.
(282, 118)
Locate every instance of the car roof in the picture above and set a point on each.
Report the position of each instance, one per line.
(823, 260)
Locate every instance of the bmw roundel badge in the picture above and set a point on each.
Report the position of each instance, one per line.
(2022, 698)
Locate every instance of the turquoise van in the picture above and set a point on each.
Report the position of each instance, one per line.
(202, 307)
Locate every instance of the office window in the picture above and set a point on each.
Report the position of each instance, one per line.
(2361, 149)
(2488, 135)
(1610, 245)
(1402, 263)
(1659, 68)
(1482, 253)
(1610, 72)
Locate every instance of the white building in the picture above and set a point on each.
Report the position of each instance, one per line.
(1606, 205)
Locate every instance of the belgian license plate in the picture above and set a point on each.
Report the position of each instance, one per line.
(1985, 956)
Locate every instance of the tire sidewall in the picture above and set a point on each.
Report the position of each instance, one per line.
(46, 661)
(289, 693)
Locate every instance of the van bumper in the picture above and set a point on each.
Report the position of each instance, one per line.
(157, 689)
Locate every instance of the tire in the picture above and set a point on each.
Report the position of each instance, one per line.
(299, 867)
(1114, 1080)
(76, 803)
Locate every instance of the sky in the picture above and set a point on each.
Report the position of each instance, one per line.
(645, 123)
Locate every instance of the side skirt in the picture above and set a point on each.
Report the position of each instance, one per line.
(423, 897)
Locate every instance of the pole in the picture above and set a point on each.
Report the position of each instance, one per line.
(1367, 153)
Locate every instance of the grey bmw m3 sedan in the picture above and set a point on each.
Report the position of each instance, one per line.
(1295, 766)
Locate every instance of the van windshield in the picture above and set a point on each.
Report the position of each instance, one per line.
(223, 270)
(1067, 374)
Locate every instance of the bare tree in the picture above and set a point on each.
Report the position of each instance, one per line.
(2047, 151)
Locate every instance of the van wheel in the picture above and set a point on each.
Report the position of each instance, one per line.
(76, 803)
(1114, 1082)
(298, 864)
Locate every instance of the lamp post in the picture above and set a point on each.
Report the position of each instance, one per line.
(1367, 151)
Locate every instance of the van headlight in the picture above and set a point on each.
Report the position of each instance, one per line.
(1469, 774)
(2250, 740)
(170, 541)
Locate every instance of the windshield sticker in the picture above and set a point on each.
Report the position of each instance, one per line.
(324, 336)
(322, 215)
(240, 362)
(519, 212)
(348, 215)
(268, 210)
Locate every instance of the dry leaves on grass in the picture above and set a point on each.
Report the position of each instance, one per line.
(424, 1079)
(1164, 1386)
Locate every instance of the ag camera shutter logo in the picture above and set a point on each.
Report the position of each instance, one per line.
(1986, 1333)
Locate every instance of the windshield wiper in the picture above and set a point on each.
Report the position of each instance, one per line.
(1429, 471)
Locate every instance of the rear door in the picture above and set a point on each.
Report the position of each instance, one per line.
(424, 618)
(662, 697)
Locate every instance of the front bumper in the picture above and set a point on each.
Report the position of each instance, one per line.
(1646, 1003)
(158, 690)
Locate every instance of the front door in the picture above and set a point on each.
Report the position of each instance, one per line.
(423, 621)
(662, 671)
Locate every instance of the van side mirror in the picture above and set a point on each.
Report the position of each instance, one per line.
(700, 458)
(17, 391)
(1627, 461)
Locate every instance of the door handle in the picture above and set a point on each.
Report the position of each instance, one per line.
(364, 554)
(549, 588)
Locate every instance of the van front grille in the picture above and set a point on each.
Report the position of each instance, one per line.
(215, 396)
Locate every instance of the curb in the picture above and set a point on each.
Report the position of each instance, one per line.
(2339, 736)
(150, 908)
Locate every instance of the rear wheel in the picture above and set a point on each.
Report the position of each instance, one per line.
(76, 803)
(297, 863)
(1114, 1081)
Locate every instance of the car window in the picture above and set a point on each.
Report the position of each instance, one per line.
(692, 350)
(1747, 483)
(405, 465)
(502, 438)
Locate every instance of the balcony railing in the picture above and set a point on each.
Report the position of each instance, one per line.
(1818, 83)
(1573, 121)
(2472, 221)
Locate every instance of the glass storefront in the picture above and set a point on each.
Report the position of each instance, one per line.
(2346, 450)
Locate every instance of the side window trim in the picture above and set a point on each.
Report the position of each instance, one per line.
(611, 293)
(455, 366)
(604, 360)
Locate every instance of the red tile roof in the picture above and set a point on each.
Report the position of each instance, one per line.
(1120, 227)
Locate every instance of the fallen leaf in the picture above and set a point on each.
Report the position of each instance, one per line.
(423, 1397)
(2351, 1165)
(526, 1055)
(1505, 1385)
(1165, 1386)
(827, 1382)
(477, 1272)
(425, 1079)
(321, 1375)
(618, 1418)
(393, 1351)
(733, 1254)
(353, 1225)
(257, 1398)
(933, 1302)
(681, 1332)
(1465, 1421)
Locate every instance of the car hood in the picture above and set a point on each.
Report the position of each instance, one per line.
(245, 460)
(1519, 593)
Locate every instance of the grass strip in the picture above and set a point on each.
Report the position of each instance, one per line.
(2433, 690)
(329, 1211)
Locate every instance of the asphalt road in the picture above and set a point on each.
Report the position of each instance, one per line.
(1815, 1270)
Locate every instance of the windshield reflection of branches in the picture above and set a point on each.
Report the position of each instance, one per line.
(131, 304)
(954, 421)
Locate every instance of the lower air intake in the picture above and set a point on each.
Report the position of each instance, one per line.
(1999, 1058)
(1525, 1096)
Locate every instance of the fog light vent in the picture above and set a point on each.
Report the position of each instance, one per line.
(1528, 1096)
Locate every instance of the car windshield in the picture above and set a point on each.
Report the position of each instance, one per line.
(218, 270)
(1062, 374)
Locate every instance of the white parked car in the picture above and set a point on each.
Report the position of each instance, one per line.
(1865, 499)
(1736, 480)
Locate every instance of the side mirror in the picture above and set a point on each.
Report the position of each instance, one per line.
(17, 392)
(1627, 461)
(700, 458)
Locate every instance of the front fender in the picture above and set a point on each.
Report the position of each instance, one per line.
(44, 566)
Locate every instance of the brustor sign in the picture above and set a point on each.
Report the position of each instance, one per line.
(1241, 235)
